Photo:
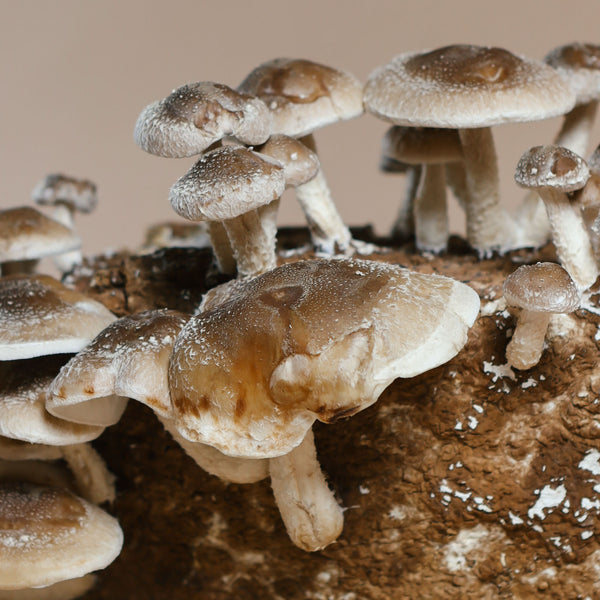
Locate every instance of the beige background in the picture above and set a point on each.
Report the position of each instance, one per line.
(75, 75)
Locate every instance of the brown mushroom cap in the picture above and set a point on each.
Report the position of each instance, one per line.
(226, 183)
(552, 167)
(543, 287)
(421, 145)
(49, 535)
(77, 194)
(26, 234)
(303, 95)
(465, 86)
(40, 316)
(196, 115)
(310, 340)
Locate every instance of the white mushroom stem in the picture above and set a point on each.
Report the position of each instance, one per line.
(431, 213)
(569, 235)
(227, 468)
(487, 222)
(63, 213)
(252, 242)
(328, 232)
(577, 127)
(221, 247)
(531, 219)
(525, 348)
(404, 225)
(456, 180)
(93, 479)
(312, 517)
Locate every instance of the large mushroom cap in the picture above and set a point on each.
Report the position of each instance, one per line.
(49, 535)
(56, 188)
(196, 115)
(303, 95)
(314, 339)
(40, 316)
(226, 183)
(26, 234)
(465, 86)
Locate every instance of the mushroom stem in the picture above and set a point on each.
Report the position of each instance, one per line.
(576, 128)
(525, 348)
(431, 215)
(63, 214)
(221, 247)
(404, 225)
(456, 180)
(252, 242)
(569, 235)
(312, 517)
(487, 222)
(328, 231)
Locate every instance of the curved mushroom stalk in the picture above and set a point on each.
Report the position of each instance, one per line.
(312, 517)
(431, 214)
(527, 343)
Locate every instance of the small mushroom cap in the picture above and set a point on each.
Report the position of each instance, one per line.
(543, 287)
(129, 359)
(303, 95)
(23, 393)
(226, 183)
(465, 86)
(316, 339)
(26, 234)
(552, 167)
(579, 65)
(78, 194)
(300, 164)
(40, 316)
(421, 145)
(196, 115)
(59, 534)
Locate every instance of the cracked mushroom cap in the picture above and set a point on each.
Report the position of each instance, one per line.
(27, 234)
(318, 339)
(77, 194)
(197, 115)
(128, 359)
(226, 183)
(303, 95)
(579, 65)
(465, 86)
(23, 392)
(40, 316)
(421, 145)
(552, 167)
(543, 287)
(57, 533)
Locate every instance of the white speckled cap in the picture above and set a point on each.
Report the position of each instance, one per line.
(465, 86)
(196, 115)
(79, 194)
(40, 316)
(48, 534)
(225, 183)
(25, 234)
(300, 164)
(303, 95)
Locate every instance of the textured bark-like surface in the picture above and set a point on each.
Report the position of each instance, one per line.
(470, 481)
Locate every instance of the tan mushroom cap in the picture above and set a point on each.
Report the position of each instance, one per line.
(303, 95)
(300, 164)
(465, 86)
(60, 534)
(63, 590)
(128, 359)
(56, 188)
(225, 183)
(310, 340)
(27, 234)
(421, 145)
(543, 287)
(552, 167)
(23, 392)
(196, 115)
(40, 316)
(579, 65)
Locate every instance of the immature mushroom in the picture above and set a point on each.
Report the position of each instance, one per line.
(555, 172)
(309, 340)
(469, 88)
(538, 290)
(231, 185)
(26, 235)
(304, 96)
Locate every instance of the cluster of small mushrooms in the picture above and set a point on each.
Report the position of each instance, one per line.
(239, 383)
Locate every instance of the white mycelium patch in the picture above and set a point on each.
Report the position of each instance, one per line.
(549, 498)
(466, 542)
(591, 462)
